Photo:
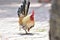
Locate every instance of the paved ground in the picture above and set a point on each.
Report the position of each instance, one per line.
(9, 28)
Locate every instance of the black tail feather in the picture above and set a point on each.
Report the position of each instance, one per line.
(27, 7)
(20, 10)
(24, 4)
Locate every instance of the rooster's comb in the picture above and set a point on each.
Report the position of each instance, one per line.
(33, 12)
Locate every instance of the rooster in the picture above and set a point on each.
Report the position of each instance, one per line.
(25, 20)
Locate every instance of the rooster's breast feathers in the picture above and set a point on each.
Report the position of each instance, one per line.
(27, 22)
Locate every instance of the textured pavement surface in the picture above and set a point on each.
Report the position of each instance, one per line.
(9, 27)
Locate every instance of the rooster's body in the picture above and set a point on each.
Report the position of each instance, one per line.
(26, 21)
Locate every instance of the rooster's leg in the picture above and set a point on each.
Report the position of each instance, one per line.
(26, 31)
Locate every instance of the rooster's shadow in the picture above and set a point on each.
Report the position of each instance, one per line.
(25, 33)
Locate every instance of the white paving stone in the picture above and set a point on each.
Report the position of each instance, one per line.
(10, 30)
